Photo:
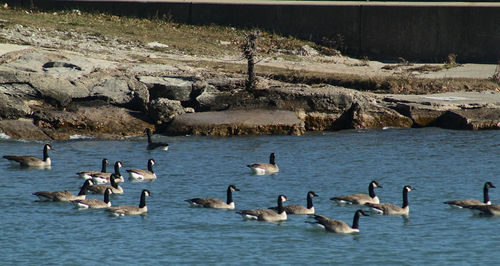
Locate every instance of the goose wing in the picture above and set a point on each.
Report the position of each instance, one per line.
(295, 209)
(54, 196)
(91, 203)
(259, 214)
(464, 203)
(208, 202)
(155, 145)
(127, 210)
(359, 198)
(331, 224)
(24, 160)
(386, 208)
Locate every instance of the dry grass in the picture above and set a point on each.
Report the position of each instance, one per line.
(218, 41)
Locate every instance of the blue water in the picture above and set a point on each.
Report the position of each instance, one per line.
(440, 164)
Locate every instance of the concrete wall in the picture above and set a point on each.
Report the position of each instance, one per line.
(384, 31)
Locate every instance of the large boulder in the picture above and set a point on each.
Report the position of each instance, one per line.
(163, 110)
(22, 129)
(237, 122)
(98, 121)
(173, 88)
(469, 119)
(371, 117)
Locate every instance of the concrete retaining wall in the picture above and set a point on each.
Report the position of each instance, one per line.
(384, 31)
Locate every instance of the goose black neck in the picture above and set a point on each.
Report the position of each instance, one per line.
(106, 197)
(355, 220)
(150, 166)
(229, 196)
(405, 197)
(142, 204)
(45, 153)
(271, 159)
(371, 190)
(486, 196)
(149, 136)
(309, 201)
(280, 206)
(103, 167)
(83, 190)
(117, 170)
(113, 182)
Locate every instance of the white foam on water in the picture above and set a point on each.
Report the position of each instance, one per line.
(4, 136)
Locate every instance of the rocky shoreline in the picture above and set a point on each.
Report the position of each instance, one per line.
(53, 90)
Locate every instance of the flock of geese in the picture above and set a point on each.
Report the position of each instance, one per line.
(106, 184)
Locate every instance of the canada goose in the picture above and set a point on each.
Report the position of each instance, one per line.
(216, 203)
(88, 174)
(463, 203)
(141, 174)
(94, 203)
(132, 210)
(265, 214)
(337, 226)
(490, 210)
(32, 161)
(360, 199)
(64, 195)
(391, 209)
(104, 178)
(155, 145)
(299, 209)
(115, 188)
(265, 168)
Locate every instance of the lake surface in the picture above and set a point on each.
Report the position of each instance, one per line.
(440, 164)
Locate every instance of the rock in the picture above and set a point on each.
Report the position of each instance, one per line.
(167, 87)
(98, 121)
(22, 129)
(370, 117)
(421, 115)
(163, 110)
(469, 119)
(12, 107)
(116, 90)
(237, 122)
(307, 50)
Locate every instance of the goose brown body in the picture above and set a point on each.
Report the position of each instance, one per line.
(471, 202)
(64, 195)
(216, 203)
(32, 161)
(360, 198)
(266, 214)
(132, 210)
(338, 226)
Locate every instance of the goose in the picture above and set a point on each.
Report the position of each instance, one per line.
(94, 203)
(360, 199)
(115, 188)
(299, 209)
(391, 209)
(105, 178)
(337, 226)
(265, 214)
(141, 174)
(463, 203)
(64, 195)
(32, 161)
(216, 203)
(155, 145)
(490, 210)
(88, 174)
(132, 210)
(265, 168)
